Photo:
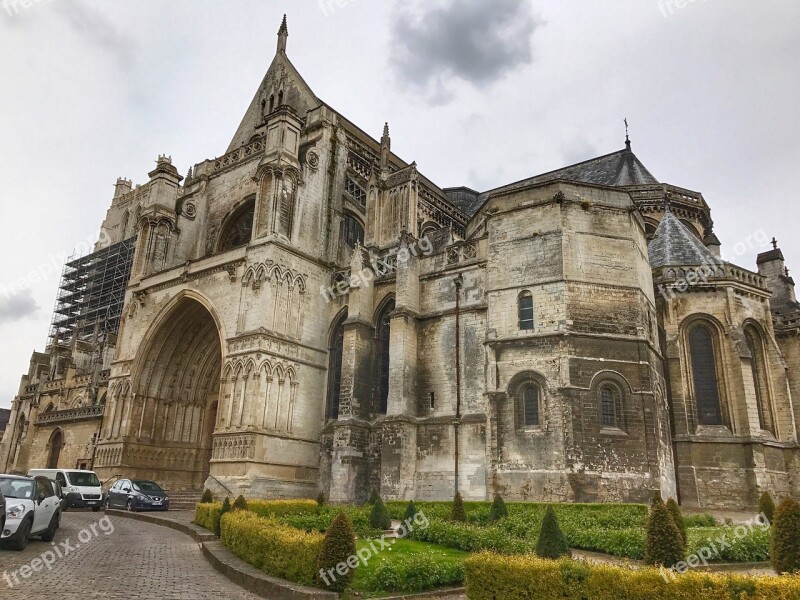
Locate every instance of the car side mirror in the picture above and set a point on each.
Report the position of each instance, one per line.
(126, 490)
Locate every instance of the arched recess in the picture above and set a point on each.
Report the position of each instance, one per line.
(383, 328)
(54, 445)
(754, 339)
(175, 389)
(335, 354)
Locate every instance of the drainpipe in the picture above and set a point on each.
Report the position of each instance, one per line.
(458, 281)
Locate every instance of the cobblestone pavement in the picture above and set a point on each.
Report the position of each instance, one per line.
(136, 560)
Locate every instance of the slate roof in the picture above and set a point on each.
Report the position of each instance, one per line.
(465, 199)
(674, 245)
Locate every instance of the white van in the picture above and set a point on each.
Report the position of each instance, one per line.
(83, 488)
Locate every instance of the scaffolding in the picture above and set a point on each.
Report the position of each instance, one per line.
(91, 295)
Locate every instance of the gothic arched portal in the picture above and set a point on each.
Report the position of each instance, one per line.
(172, 407)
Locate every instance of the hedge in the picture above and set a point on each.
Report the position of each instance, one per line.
(491, 576)
(417, 573)
(205, 515)
(273, 548)
(282, 508)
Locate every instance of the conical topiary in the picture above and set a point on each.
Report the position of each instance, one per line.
(379, 516)
(663, 544)
(552, 543)
(458, 513)
(207, 498)
(785, 545)
(766, 506)
(498, 510)
(411, 512)
(677, 518)
(240, 503)
(321, 499)
(226, 507)
(338, 546)
(373, 497)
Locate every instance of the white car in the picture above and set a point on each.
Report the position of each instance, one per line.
(32, 508)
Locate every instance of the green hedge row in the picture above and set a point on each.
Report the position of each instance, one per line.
(275, 549)
(491, 577)
(509, 537)
(415, 573)
(205, 515)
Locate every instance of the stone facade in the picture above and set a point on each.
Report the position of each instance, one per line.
(309, 313)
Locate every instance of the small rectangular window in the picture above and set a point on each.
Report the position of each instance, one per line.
(433, 400)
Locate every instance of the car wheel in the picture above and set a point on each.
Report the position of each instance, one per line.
(21, 541)
(130, 507)
(50, 533)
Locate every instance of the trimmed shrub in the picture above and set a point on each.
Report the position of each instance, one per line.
(321, 499)
(416, 573)
(275, 549)
(766, 505)
(226, 507)
(337, 547)
(677, 518)
(240, 503)
(498, 510)
(490, 576)
(785, 551)
(379, 516)
(552, 543)
(663, 542)
(207, 498)
(458, 513)
(704, 520)
(411, 512)
(373, 497)
(207, 515)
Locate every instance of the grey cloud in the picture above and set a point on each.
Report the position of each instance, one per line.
(469, 40)
(98, 31)
(579, 150)
(17, 306)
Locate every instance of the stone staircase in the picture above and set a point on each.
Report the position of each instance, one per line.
(184, 500)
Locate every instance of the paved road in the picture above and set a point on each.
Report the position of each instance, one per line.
(134, 560)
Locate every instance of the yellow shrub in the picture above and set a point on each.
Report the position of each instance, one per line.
(490, 576)
(273, 548)
(205, 514)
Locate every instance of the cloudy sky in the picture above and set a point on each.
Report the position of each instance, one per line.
(479, 93)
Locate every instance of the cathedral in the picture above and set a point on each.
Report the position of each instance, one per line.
(308, 312)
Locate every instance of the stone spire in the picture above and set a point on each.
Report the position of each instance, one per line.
(386, 148)
(283, 35)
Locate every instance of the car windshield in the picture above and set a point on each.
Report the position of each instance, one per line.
(17, 488)
(146, 486)
(83, 479)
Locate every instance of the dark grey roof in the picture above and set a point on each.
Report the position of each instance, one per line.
(466, 200)
(618, 169)
(674, 245)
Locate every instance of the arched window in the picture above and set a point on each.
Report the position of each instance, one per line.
(272, 103)
(239, 229)
(529, 400)
(335, 369)
(704, 375)
(610, 405)
(49, 408)
(123, 228)
(525, 310)
(280, 98)
(757, 364)
(650, 229)
(352, 230)
(383, 333)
